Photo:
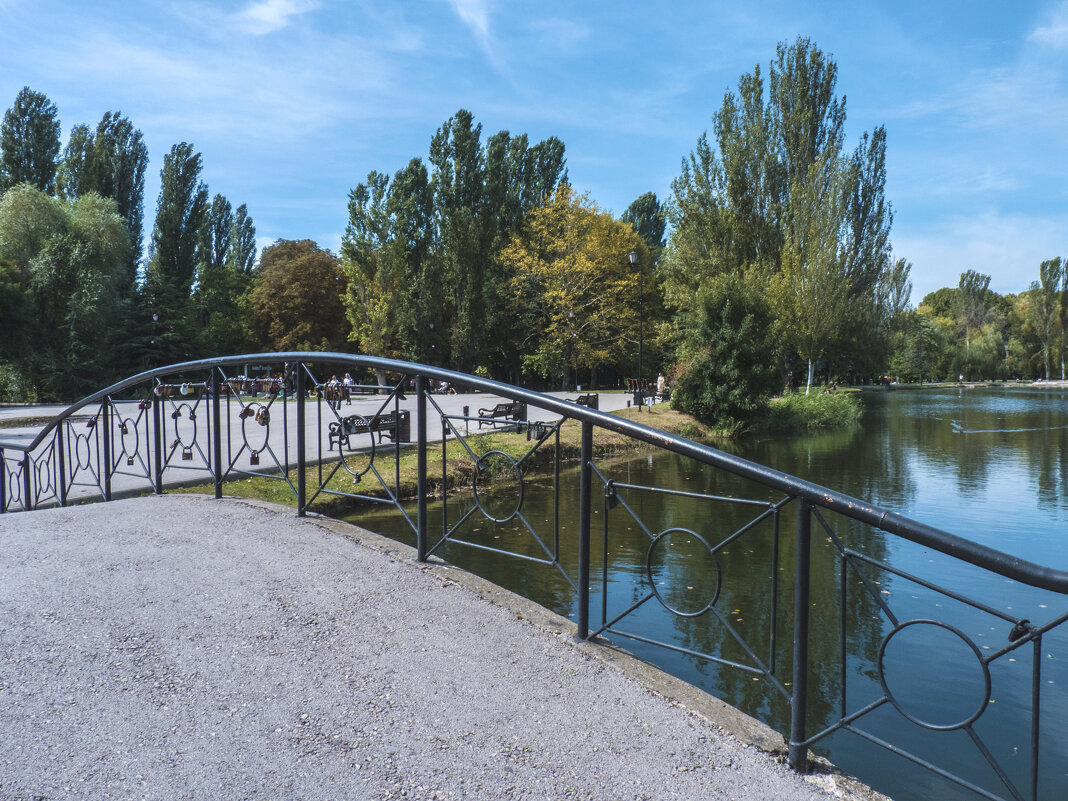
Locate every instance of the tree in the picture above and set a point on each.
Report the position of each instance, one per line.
(423, 305)
(735, 210)
(812, 292)
(647, 216)
(374, 271)
(459, 194)
(242, 254)
(29, 142)
(75, 174)
(111, 162)
(69, 258)
(28, 218)
(16, 303)
(917, 345)
(1064, 316)
(216, 234)
(180, 214)
(296, 302)
(221, 287)
(726, 373)
(573, 287)
(970, 304)
(437, 238)
(1044, 308)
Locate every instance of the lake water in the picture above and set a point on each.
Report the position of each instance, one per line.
(987, 464)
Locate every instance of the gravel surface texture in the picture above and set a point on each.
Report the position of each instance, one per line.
(181, 647)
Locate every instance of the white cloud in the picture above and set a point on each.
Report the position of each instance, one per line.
(1055, 32)
(268, 16)
(475, 15)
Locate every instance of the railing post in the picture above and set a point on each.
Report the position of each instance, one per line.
(302, 459)
(3, 482)
(61, 455)
(585, 479)
(420, 456)
(27, 485)
(216, 440)
(157, 442)
(798, 704)
(105, 423)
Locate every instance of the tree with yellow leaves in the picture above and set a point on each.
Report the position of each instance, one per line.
(573, 287)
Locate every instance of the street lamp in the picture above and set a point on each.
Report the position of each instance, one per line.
(633, 256)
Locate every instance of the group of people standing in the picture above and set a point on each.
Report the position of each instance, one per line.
(337, 391)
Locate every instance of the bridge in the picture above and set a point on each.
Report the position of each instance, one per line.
(200, 419)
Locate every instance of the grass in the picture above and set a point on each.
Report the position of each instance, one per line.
(796, 411)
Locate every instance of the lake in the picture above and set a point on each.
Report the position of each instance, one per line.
(989, 464)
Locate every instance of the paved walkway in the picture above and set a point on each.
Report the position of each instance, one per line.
(186, 423)
(181, 647)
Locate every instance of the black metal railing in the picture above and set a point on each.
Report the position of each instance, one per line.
(202, 421)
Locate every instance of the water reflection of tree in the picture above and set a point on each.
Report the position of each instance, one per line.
(746, 598)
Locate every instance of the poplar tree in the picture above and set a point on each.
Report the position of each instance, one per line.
(1045, 312)
(110, 161)
(180, 214)
(29, 142)
(742, 205)
(242, 255)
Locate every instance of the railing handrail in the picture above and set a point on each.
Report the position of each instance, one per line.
(974, 553)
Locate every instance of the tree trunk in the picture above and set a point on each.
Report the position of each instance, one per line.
(380, 376)
(811, 368)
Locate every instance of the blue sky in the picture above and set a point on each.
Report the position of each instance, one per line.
(293, 102)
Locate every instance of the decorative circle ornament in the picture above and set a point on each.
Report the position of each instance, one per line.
(498, 502)
(941, 687)
(680, 564)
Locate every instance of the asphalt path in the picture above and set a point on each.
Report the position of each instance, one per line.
(179, 647)
(186, 435)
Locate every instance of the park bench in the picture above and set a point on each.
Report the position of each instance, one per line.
(590, 399)
(397, 427)
(509, 411)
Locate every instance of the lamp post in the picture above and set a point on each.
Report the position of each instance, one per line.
(633, 256)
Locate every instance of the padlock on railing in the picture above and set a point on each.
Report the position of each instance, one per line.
(187, 454)
(254, 457)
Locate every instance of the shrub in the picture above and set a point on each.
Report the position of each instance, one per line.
(726, 375)
(797, 411)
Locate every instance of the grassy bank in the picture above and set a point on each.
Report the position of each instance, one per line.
(796, 411)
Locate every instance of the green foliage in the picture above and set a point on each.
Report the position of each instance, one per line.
(777, 199)
(917, 347)
(61, 282)
(726, 373)
(16, 302)
(28, 218)
(29, 142)
(15, 386)
(296, 302)
(423, 251)
(796, 411)
(573, 287)
(650, 221)
(111, 162)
